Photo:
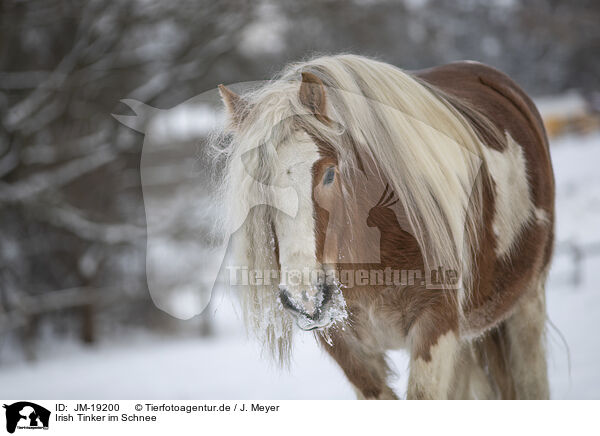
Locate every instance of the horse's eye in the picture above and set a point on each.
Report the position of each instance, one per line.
(329, 176)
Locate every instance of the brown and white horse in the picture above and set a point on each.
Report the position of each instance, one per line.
(425, 211)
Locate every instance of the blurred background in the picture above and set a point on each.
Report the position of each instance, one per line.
(76, 317)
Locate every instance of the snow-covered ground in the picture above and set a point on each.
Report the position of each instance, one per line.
(231, 366)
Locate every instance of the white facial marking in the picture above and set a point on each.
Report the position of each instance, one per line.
(296, 235)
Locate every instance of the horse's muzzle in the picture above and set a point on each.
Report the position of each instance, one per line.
(318, 317)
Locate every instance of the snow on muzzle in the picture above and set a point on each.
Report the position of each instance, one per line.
(315, 306)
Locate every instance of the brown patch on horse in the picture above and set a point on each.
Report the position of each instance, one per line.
(366, 369)
(321, 215)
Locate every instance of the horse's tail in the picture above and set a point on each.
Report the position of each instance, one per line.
(492, 351)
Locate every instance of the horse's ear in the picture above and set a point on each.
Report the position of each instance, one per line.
(236, 105)
(312, 95)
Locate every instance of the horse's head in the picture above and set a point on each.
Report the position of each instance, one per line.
(336, 188)
(303, 247)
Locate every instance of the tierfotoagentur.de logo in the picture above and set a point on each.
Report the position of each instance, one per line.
(24, 415)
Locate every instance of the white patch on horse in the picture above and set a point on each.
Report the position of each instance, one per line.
(514, 207)
(541, 216)
(435, 376)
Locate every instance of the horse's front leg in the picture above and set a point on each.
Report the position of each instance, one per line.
(365, 368)
(432, 366)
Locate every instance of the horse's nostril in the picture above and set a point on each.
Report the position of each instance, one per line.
(325, 289)
(290, 303)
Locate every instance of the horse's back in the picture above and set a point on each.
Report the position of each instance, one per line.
(491, 91)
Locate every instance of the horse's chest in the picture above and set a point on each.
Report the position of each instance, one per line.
(377, 329)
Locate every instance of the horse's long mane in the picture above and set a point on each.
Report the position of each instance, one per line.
(420, 138)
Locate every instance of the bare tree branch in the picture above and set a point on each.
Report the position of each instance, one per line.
(56, 177)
